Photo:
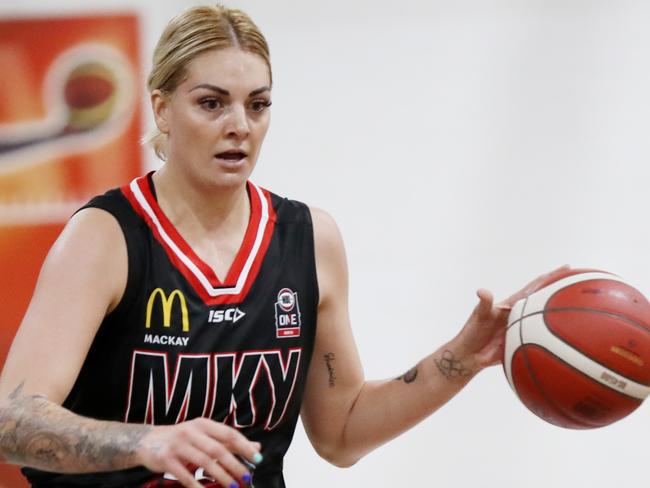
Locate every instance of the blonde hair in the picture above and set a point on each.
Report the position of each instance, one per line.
(189, 34)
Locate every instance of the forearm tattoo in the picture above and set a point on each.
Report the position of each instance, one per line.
(329, 358)
(409, 376)
(36, 432)
(450, 367)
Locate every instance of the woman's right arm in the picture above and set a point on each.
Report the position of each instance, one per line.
(83, 279)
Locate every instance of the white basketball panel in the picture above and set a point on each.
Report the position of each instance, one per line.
(517, 311)
(512, 343)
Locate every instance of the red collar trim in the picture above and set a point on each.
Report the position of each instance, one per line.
(247, 262)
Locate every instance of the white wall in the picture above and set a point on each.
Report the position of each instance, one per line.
(496, 135)
(460, 144)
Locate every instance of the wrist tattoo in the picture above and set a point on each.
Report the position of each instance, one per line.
(36, 432)
(450, 367)
(409, 376)
(329, 358)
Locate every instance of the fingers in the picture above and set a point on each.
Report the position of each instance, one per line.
(220, 463)
(204, 443)
(546, 279)
(215, 469)
(232, 439)
(535, 285)
(488, 310)
(484, 295)
(215, 449)
(484, 307)
(181, 473)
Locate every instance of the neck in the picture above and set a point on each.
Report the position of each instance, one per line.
(190, 205)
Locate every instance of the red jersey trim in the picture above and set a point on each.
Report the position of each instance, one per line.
(247, 262)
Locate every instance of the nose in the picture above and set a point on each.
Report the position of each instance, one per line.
(237, 122)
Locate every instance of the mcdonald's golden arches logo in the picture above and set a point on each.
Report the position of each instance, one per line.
(167, 304)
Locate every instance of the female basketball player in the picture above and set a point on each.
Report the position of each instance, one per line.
(182, 322)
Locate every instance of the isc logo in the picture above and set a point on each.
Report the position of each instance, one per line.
(227, 315)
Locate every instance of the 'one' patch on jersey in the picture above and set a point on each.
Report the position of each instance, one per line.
(287, 314)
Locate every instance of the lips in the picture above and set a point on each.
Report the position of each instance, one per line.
(231, 155)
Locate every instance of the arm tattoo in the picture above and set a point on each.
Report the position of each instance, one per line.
(409, 376)
(329, 358)
(450, 367)
(38, 433)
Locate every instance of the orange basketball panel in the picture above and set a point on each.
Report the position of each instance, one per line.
(563, 396)
(607, 296)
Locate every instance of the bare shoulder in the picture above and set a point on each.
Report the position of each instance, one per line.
(331, 261)
(91, 242)
(327, 235)
(91, 226)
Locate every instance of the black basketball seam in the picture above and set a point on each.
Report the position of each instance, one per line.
(574, 347)
(581, 281)
(533, 376)
(527, 364)
(590, 310)
(522, 316)
(600, 364)
(564, 288)
(603, 312)
(574, 309)
(543, 392)
(579, 350)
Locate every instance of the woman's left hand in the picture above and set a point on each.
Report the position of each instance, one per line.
(482, 338)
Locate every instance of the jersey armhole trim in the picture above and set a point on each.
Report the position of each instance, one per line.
(312, 247)
(131, 281)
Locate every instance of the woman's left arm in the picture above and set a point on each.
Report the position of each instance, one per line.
(346, 416)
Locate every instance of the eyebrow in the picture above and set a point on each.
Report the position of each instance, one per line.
(226, 93)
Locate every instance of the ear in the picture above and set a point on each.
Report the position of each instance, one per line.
(160, 107)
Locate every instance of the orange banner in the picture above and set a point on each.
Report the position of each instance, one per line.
(69, 129)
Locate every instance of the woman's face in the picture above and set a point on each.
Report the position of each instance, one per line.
(217, 118)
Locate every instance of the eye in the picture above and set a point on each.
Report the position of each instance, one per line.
(211, 104)
(260, 105)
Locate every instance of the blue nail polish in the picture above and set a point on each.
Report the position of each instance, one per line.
(234, 485)
(257, 458)
(246, 478)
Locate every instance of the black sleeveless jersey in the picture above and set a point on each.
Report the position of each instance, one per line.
(182, 343)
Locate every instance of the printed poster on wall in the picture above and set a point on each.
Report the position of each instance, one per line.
(69, 129)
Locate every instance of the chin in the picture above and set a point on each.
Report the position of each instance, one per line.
(229, 179)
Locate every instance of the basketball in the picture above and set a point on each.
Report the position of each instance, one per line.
(90, 96)
(577, 352)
